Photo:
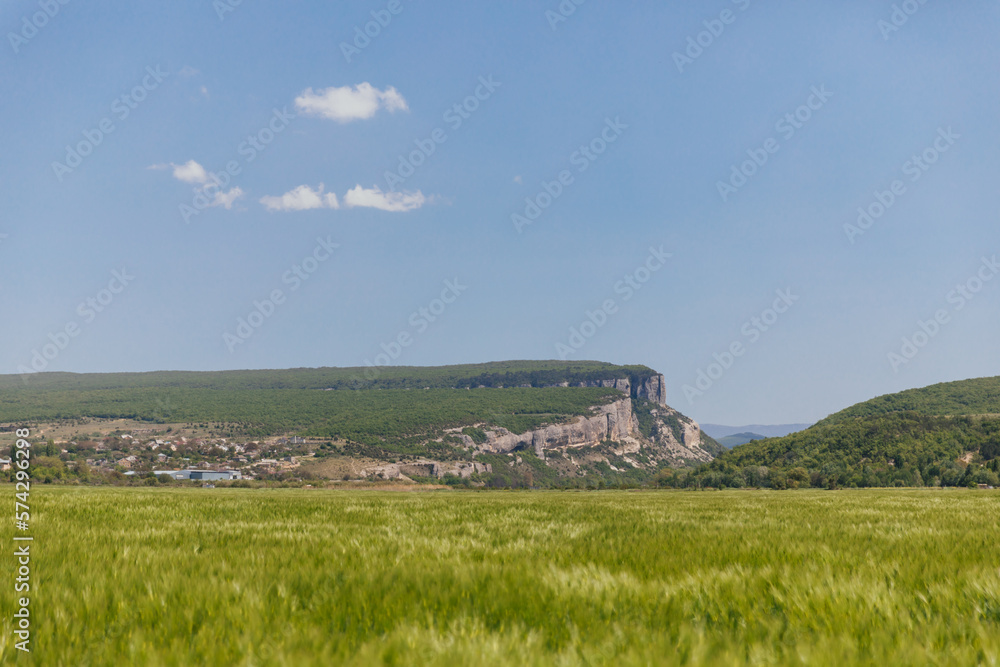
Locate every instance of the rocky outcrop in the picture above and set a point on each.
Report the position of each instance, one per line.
(652, 388)
(612, 435)
(623, 385)
(692, 435)
(613, 422)
(463, 469)
(675, 438)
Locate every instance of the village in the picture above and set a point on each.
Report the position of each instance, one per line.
(177, 453)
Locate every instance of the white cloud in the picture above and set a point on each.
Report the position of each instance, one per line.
(302, 198)
(346, 104)
(190, 172)
(207, 189)
(226, 198)
(396, 202)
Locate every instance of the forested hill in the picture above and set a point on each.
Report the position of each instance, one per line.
(386, 403)
(980, 396)
(946, 434)
(514, 423)
(491, 375)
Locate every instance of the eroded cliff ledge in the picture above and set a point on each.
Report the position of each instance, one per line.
(669, 436)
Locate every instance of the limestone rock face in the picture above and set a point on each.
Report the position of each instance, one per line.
(623, 385)
(678, 438)
(692, 435)
(613, 422)
(612, 433)
(675, 438)
(424, 468)
(653, 388)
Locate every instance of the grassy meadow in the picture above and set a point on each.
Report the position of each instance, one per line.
(313, 577)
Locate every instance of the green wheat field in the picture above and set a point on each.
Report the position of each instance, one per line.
(316, 577)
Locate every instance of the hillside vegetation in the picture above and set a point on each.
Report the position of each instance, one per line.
(980, 396)
(494, 374)
(388, 418)
(399, 409)
(358, 427)
(946, 434)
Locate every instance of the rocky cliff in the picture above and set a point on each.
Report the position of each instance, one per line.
(668, 435)
(612, 422)
(638, 432)
(652, 388)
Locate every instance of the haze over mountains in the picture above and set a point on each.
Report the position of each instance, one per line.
(719, 431)
(737, 439)
(733, 436)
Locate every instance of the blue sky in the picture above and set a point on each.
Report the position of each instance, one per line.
(639, 137)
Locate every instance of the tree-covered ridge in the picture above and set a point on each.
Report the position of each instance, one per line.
(946, 434)
(493, 374)
(902, 449)
(980, 396)
(555, 376)
(899, 439)
(391, 418)
(388, 414)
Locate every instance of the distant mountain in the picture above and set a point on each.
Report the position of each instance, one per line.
(737, 439)
(943, 435)
(718, 431)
